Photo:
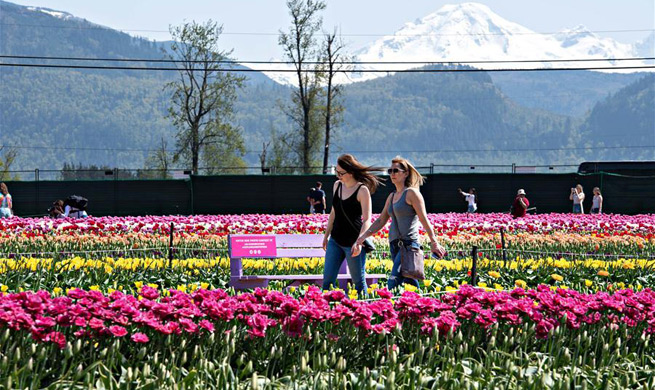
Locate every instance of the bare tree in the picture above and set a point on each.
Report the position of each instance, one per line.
(334, 62)
(300, 47)
(262, 156)
(203, 97)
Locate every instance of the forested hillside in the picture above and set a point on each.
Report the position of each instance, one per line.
(115, 117)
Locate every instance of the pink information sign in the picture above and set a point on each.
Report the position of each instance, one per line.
(253, 245)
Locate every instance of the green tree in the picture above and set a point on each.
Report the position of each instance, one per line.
(158, 163)
(224, 156)
(202, 105)
(300, 47)
(277, 158)
(93, 172)
(7, 160)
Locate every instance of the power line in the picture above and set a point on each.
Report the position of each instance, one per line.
(427, 62)
(352, 151)
(413, 70)
(507, 150)
(253, 33)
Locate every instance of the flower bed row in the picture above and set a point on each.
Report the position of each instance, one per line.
(300, 223)
(108, 273)
(528, 338)
(95, 315)
(141, 244)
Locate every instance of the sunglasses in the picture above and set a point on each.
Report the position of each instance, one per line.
(340, 173)
(394, 170)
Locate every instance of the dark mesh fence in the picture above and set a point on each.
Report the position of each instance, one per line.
(287, 194)
(110, 197)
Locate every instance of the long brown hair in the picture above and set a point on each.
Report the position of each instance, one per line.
(360, 172)
(4, 189)
(414, 179)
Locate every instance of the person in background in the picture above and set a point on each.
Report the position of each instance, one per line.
(6, 205)
(597, 202)
(73, 209)
(310, 200)
(520, 205)
(577, 196)
(57, 209)
(472, 198)
(349, 218)
(72, 212)
(318, 198)
(408, 206)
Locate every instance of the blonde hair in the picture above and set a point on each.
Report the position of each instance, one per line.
(579, 187)
(414, 178)
(597, 189)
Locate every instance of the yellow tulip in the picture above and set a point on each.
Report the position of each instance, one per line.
(409, 287)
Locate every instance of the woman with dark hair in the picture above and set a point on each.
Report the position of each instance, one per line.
(472, 198)
(6, 205)
(349, 217)
(407, 206)
(57, 209)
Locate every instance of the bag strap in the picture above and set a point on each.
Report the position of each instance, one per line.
(395, 220)
(340, 190)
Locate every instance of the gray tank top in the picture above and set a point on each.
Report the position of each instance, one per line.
(406, 219)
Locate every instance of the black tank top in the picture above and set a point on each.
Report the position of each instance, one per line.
(345, 232)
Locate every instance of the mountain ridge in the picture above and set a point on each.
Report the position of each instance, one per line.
(104, 117)
(468, 32)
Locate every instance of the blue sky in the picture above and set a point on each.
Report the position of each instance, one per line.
(251, 26)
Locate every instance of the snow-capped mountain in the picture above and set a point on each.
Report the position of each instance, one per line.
(469, 32)
(646, 48)
(52, 12)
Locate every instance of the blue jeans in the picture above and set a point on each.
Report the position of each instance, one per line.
(334, 256)
(577, 208)
(396, 279)
(471, 209)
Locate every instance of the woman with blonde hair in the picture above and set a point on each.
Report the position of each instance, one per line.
(349, 218)
(577, 196)
(6, 205)
(407, 206)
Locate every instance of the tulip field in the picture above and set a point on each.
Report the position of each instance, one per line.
(109, 303)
